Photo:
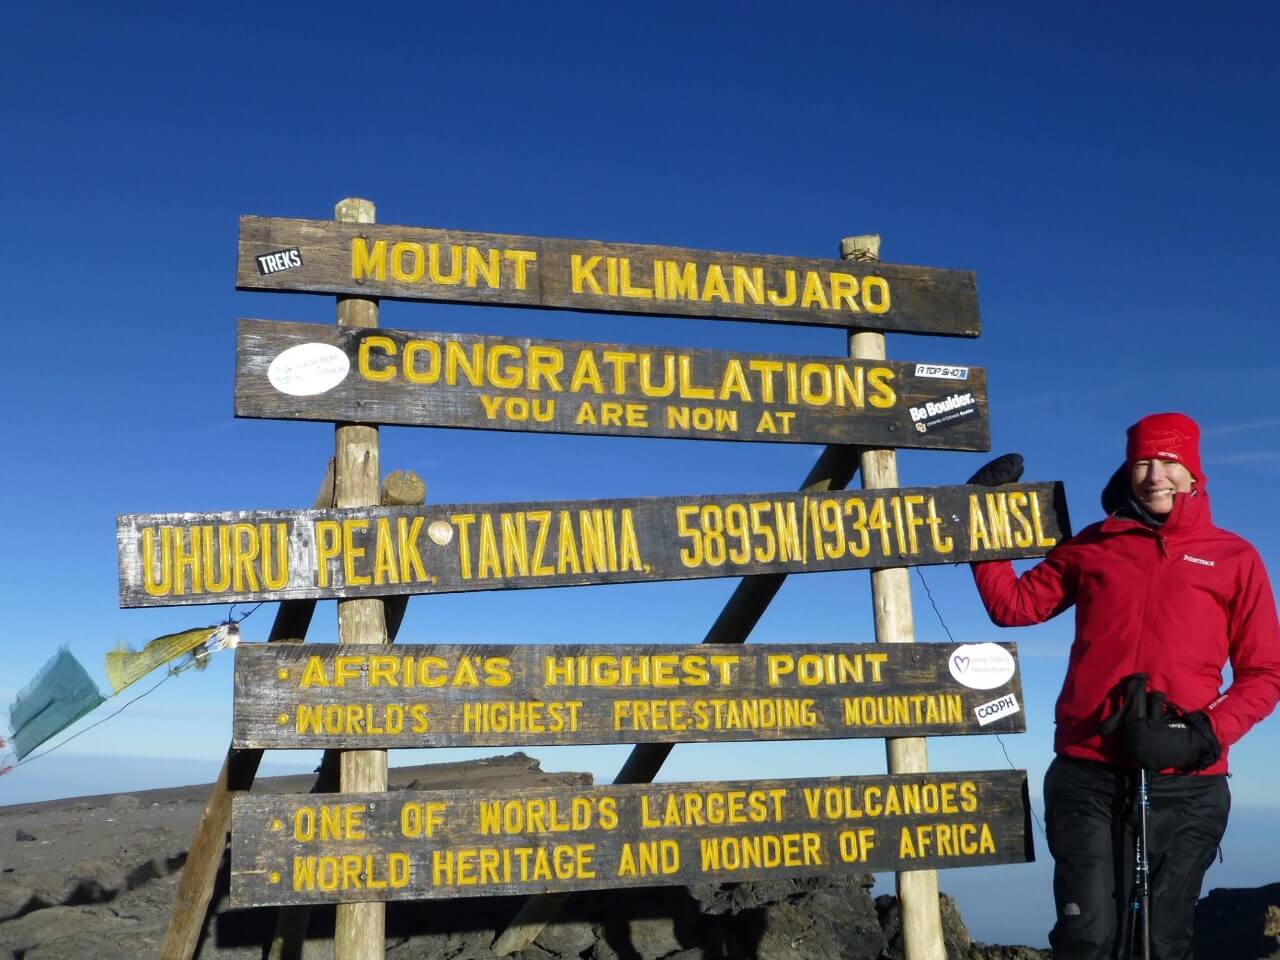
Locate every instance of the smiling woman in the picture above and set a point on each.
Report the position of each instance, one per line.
(1163, 600)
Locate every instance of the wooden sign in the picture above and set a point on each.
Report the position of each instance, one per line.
(325, 696)
(415, 263)
(418, 845)
(188, 558)
(303, 372)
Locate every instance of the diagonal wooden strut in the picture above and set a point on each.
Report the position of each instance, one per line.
(834, 470)
(195, 886)
(200, 872)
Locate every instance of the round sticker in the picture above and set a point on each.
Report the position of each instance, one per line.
(308, 369)
(981, 666)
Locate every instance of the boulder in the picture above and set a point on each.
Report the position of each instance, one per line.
(1240, 924)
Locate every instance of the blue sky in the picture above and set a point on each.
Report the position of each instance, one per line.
(1107, 171)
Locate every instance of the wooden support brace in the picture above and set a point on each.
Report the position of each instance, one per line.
(204, 857)
(834, 470)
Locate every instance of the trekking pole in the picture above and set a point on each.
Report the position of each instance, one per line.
(1140, 888)
(1142, 866)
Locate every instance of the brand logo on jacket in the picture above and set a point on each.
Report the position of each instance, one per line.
(1202, 562)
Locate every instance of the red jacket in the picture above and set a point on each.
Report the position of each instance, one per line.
(1175, 603)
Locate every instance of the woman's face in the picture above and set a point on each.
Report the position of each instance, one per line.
(1154, 483)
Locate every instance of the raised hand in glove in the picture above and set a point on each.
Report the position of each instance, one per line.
(1159, 735)
(1001, 470)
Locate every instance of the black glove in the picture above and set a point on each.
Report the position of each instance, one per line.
(1159, 735)
(1001, 470)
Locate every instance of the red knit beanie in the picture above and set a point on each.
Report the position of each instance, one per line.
(1166, 436)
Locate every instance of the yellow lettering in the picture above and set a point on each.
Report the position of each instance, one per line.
(813, 291)
(681, 282)
(748, 284)
(844, 288)
(455, 260)
(367, 344)
(486, 264)
(521, 259)
(713, 285)
(584, 272)
(413, 273)
(366, 262)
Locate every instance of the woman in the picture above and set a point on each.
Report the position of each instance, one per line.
(1163, 600)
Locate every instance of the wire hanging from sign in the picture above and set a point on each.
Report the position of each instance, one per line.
(1005, 750)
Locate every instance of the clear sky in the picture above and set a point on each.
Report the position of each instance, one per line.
(1107, 170)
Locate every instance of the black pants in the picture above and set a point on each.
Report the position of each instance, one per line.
(1090, 813)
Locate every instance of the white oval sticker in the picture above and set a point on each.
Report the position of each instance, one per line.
(981, 666)
(308, 369)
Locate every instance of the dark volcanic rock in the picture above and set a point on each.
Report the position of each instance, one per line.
(1240, 924)
(983, 952)
(955, 935)
(780, 919)
(100, 880)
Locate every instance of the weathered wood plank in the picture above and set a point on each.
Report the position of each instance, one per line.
(313, 372)
(448, 843)
(417, 263)
(176, 559)
(327, 696)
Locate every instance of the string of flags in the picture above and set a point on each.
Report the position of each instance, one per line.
(62, 691)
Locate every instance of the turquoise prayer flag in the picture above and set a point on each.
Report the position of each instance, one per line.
(59, 695)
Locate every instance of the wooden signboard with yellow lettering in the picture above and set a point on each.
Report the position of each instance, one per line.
(306, 372)
(418, 845)
(190, 558)
(322, 696)
(416, 263)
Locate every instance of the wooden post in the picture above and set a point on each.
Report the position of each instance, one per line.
(891, 598)
(360, 930)
(402, 488)
(204, 857)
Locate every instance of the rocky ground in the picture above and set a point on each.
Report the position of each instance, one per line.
(94, 878)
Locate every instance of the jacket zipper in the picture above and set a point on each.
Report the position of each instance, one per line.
(1140, 649)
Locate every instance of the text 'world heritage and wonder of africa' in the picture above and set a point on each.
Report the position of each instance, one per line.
(480, 842)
